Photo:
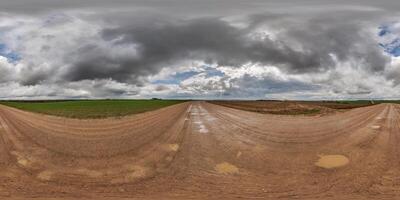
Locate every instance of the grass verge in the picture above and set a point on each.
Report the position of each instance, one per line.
(84, 109)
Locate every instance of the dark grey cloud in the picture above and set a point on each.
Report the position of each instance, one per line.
(196, 7)
(312, 46)
(347, 40)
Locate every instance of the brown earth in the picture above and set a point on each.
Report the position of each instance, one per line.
(291, 107)
(198, 150)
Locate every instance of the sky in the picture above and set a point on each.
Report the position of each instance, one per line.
(200, 49)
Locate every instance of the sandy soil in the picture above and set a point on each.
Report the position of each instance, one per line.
(198, 150)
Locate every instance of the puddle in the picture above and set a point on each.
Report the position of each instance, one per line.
(375, 127)
(379, 118)
(138, 172)
(203, 129)
(20, 159)
(23, 161)
(173, 147)
(45, 175)
(134, 173)
(238, 154)
(226, 168)
(189, 109)
(332, 161)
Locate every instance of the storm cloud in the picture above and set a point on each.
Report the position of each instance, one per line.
(314, 46)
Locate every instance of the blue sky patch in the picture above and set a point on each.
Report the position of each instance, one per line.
(11, 56)
(392, 47)
(384, 30)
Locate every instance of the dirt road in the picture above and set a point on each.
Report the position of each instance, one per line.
(198, 150)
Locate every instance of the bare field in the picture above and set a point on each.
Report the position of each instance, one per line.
(199, 150)
(293, 107)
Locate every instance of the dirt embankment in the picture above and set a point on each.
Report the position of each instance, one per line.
(198, 150)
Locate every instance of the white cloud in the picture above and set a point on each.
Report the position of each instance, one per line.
(6, 70)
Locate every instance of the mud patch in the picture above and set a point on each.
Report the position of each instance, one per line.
(375, 127)
(137, 171)
(21, 160)
(134, 173)
(173, 147)
(238, 154)
(226, 168)
(45, 175)
(332, 161)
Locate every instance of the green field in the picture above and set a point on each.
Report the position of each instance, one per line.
(84, 109)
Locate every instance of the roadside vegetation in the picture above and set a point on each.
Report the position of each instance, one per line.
(84, 109)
